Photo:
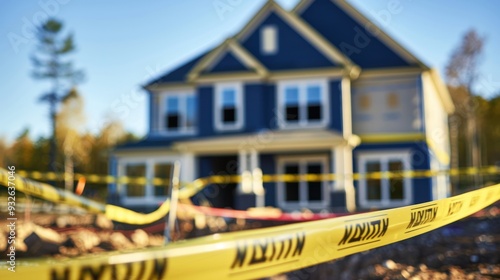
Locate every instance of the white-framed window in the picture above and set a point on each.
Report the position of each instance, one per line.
(303, 103)
(229, 106)
(179, 113)
(312, 194)
(384, 192)
(269, 39)
(145, 191)
(135, 169)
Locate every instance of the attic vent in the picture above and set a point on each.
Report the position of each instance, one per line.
(269, 39)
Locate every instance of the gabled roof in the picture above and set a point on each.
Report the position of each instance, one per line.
(315, 38)
(365, 22)
(232, 46)
(176, 75)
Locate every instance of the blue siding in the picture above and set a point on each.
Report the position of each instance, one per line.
(335, 105)
(254, 107)
(228, 63)
(270, 111)
(350, 37)
(420, 160)
(205, 111)
(268, 166)
(290, 45)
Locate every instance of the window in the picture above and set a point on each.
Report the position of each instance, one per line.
(303, 103)
(228, 107)
(135, 189)
(155, 184)
(382, 191)
(180, 113)
(312, 194)
(162, 171)
(269, 39)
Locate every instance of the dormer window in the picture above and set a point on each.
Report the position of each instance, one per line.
(180, 113)
(228, 106)
(269, 39)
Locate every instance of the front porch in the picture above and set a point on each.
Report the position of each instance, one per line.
(278, 152)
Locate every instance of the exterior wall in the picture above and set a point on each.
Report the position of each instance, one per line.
(205, 111)
(436, 118)
(228, 63)
(290, 44)
(336, 120)
(255, 109)
(386, 105)
(349, 36)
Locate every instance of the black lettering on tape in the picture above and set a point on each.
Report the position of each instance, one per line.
(269, 250)
(241, 252)
(422, 217)
(454, 208)
(56, 274)
(158, 270)
(364, 231)
(260, 249)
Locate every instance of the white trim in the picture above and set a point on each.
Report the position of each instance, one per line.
(182, 95)
(219, 126)
(269, 42)
(149, 198)
(346, 107)
(383, 157)
(303, 201)
(302, 86)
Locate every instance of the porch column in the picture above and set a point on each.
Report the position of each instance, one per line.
(258, 188)
(188, 167)
(243, 165)
(342, 157)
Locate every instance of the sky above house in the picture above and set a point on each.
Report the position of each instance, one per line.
(123, 44)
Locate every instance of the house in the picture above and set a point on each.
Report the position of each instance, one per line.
(319, 89)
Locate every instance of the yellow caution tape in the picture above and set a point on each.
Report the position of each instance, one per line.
(127, 216)
(108, 179)
(263, 252)
(113, 212)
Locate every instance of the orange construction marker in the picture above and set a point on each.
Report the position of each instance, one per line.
(80, 186)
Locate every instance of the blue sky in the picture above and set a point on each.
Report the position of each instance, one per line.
(122, 44)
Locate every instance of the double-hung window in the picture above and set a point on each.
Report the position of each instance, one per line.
(303, 103)
(377, 189)
(180, 113)
(149, 179)
(302, 193)
(229, 106)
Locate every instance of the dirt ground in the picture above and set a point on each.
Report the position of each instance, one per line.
(467, 249)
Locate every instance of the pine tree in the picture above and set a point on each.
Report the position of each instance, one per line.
(50, 63)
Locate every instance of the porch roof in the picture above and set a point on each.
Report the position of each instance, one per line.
(268, 141)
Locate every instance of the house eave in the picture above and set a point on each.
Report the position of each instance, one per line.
(268, 141)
